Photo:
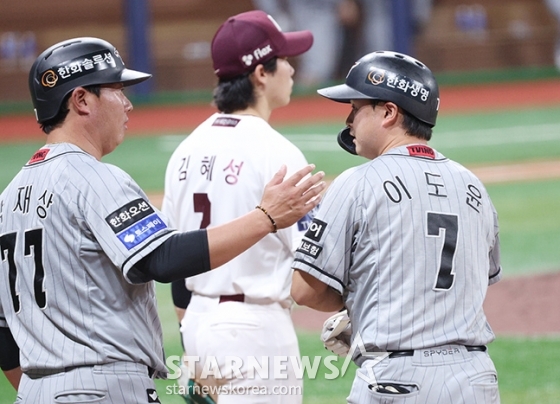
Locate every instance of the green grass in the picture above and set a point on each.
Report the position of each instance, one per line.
(529, 216)
(528, 369)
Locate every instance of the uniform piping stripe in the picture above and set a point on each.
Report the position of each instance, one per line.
(53, 158)
(321, 271)
(496, 274)
(146, 246)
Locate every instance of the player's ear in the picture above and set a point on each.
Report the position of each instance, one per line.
(259, 75)
(391, 113)
(78, 100)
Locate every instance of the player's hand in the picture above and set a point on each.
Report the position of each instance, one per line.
(336, 333)
(289, 200)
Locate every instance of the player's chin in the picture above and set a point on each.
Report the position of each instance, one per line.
(119, 138)
(281, 103)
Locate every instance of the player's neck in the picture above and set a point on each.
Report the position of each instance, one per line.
(402, 140)
(261, 112)
(66, 135)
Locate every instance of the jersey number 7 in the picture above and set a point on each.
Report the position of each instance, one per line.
(449, 225)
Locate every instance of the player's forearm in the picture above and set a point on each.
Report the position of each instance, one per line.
(13, 376)
(328, 301)
(309, 291)
(227, 241)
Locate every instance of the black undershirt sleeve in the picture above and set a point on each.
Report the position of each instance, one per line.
(9, 351)
(181, 256)
(180, 294)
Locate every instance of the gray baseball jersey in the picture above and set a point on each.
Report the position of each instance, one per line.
(71, 229)
(410, 239)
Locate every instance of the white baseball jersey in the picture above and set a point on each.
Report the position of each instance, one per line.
(410, 240)
(71, 229)
(217, 174)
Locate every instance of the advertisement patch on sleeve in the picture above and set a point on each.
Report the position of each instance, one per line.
(316, 230)
(304, 222)
(310, 249)
(129, 214)
(141, 230)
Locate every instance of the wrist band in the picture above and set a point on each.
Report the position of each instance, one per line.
(270, 217)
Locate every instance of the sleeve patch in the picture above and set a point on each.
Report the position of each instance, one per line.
(310, 249)
(131, 213)
(316, 230)
(141, 230)
(304, 222)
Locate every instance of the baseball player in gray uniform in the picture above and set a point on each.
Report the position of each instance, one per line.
(407, 243)
(80, 244)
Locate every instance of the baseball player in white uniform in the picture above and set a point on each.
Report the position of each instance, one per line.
(407, 243)
(80, 244)
(217, 173)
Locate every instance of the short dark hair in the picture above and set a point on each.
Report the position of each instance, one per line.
(415, 127)
(49, 125)
(238, 93)
(412, 125)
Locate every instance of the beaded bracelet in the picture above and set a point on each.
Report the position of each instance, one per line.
(270, 217)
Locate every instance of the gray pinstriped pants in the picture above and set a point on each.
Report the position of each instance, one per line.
(443, 375)
(119, 382)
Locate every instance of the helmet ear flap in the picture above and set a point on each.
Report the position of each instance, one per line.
(346, 141)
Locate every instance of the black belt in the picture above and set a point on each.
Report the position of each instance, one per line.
(232, 298)
(470, 348)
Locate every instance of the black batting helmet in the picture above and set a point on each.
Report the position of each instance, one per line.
(75, 63)
(388, 76)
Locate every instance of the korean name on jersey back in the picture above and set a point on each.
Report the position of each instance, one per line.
(135, 222)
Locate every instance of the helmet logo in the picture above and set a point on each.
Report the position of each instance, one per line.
(49, 79)
(376, 77)
(78, 67)
(398, 84)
